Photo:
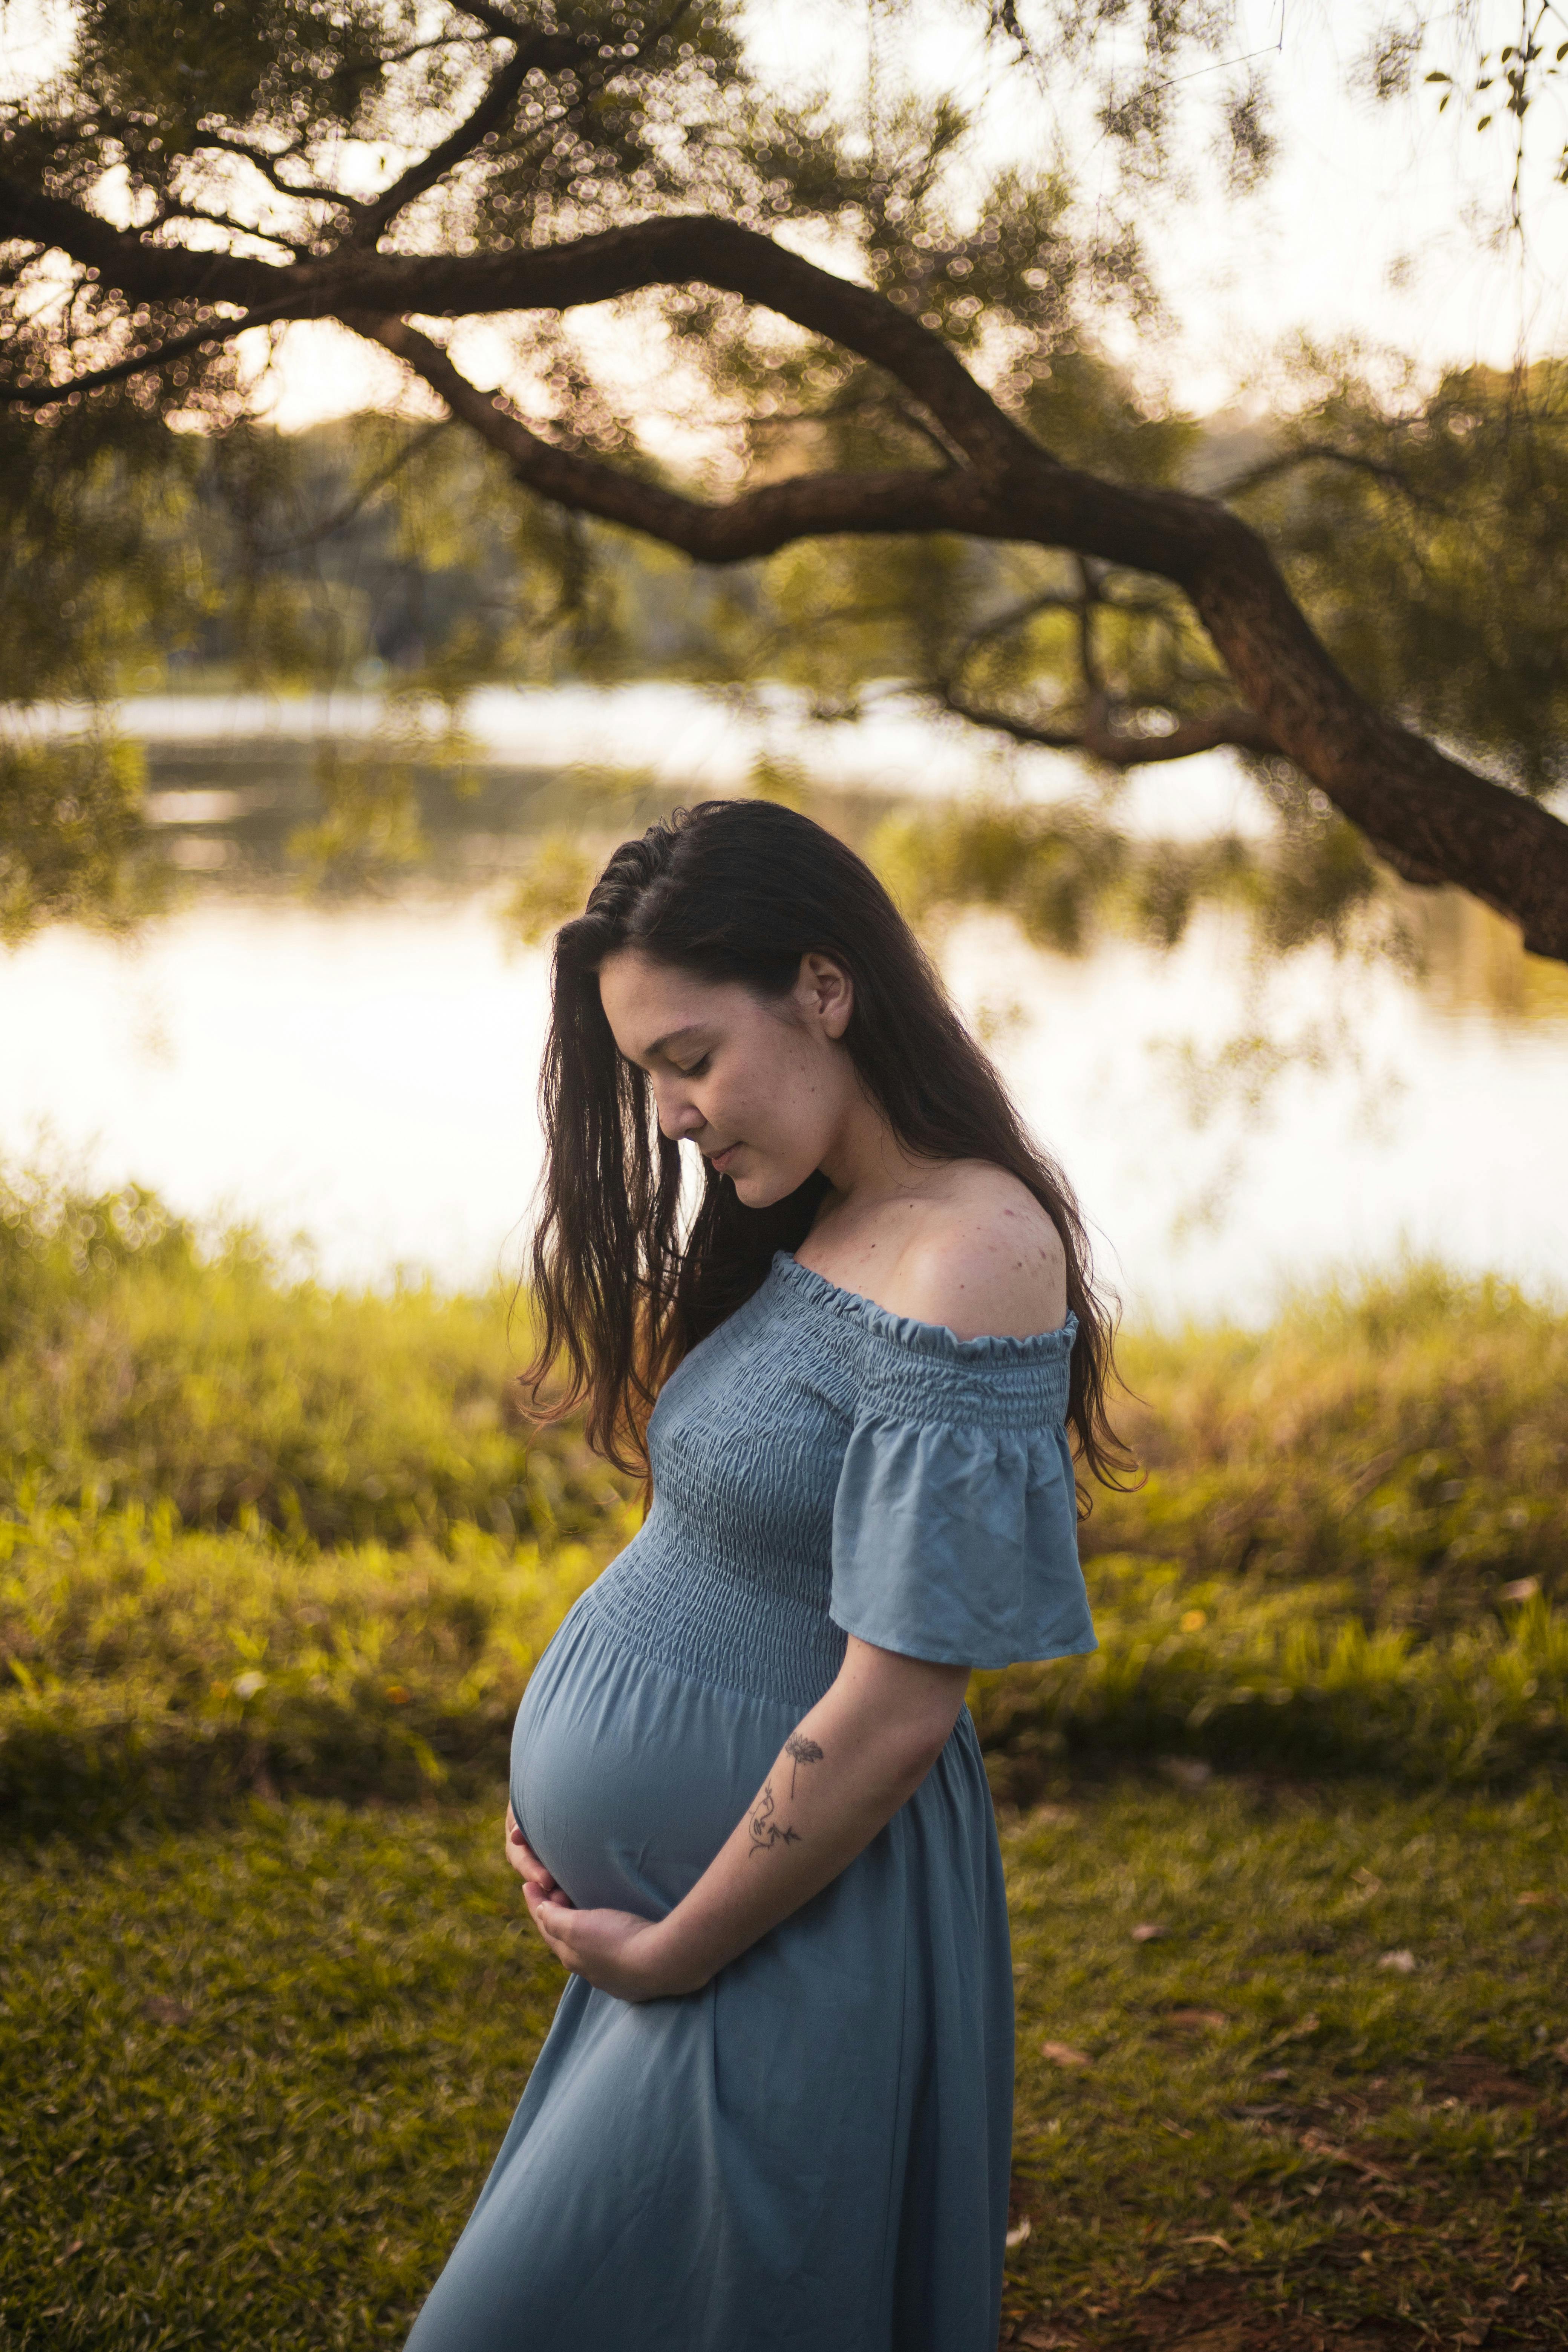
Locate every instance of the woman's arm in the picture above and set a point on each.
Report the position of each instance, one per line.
(843, 1772)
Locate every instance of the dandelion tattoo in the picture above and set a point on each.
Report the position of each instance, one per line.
(765, 1830)
(804, 1751)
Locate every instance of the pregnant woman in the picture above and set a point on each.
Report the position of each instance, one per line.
(748, 1807)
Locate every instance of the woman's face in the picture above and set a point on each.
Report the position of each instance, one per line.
(764, 1088)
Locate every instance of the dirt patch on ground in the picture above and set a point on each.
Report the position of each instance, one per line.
(1480, 2082)
(1212, 2316)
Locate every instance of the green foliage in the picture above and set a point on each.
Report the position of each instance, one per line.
(1405, 1439)
(252, 1533)
(1350, 1547)
(1067, 873)
(1423, 533)
(1428, 538)
(1293, 1682)
(137, 1369)
(93, 583)
(554, 889)
(161, 1673)
(251, 2078)
(72, 843)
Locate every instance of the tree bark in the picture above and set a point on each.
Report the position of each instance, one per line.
(1434, 819)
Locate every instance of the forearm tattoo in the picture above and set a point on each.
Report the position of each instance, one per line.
(766, 1830)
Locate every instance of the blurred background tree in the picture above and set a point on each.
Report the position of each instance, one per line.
(878, 442)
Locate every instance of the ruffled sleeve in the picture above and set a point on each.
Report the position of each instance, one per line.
(955, 1522)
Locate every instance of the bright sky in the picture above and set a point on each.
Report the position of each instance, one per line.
(1373, 223)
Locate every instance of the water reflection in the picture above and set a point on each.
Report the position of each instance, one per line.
(366, 1074)
(363, 1069)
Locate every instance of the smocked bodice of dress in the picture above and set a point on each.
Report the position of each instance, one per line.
(822, 1467)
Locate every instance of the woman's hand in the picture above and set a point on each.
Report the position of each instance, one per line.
(610, 1948)
(524, 1861)
(614, 1950)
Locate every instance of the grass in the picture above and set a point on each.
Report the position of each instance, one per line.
(141, 1365)
(1403, 1441)
(1330, 2090)
(275, 1564)
(255, 1534)
(251, 2076)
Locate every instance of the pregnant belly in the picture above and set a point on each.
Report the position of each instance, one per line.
(627, 1777)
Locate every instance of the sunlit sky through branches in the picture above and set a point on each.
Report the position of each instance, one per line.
(1384, 223)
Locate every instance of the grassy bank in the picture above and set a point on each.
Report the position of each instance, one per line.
(275, 1564)
(258, 1536)
(251, 2076)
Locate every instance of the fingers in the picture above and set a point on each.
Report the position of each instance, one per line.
(523, 1859)
(549, 1913)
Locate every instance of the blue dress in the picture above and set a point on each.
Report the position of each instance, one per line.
(811, 2154)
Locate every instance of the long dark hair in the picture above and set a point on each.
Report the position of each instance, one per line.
(741, 890)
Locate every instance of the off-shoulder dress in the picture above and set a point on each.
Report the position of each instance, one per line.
(811, 2154)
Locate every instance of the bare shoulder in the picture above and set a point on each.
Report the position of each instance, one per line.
(986, 1259)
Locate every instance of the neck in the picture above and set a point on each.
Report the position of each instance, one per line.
(867, 1165)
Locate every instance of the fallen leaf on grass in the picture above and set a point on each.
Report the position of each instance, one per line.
(1322, 2145)
(1402, 1963)
(1180, 2129)
(165, 2012)
(1523, 1587)
(1560, 2049)
(1197, 2019)
(1535, 1901)
(1146, 1933)
(1045, 2339)
(1062, 2054)
(75, 2247)
(1016, 2237)
(1209, 2238)
(1302, 2030)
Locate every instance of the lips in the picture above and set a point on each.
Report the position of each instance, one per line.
(718, 1160)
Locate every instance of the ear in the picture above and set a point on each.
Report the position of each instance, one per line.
(826, 993)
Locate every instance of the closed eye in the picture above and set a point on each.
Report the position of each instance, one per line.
(695, 1069)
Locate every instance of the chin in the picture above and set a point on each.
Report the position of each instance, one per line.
(760, 1188)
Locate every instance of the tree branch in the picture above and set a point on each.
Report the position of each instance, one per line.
(548, 51)
(212, 331)
(676, 250)
(758, 523)
(1324, 453)
(1434, 819)
(311, 192)
(355, 506)
(536, 52)
(1234, 728)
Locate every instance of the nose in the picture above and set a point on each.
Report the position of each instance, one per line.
(677, 1116)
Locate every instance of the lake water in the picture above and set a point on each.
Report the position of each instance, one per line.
(363, 1073)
